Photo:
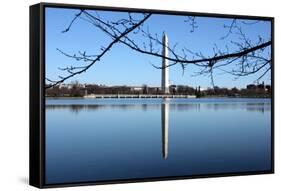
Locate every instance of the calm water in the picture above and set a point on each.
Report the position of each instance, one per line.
(109, 139)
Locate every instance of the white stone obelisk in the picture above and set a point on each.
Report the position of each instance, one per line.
(165, 63)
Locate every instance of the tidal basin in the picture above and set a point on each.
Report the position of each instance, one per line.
(116, 139)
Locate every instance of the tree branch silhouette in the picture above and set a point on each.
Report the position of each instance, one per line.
(73, 71)
(249, 58)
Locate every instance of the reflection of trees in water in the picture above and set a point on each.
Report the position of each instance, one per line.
(184, 107)
(79, 107)
(73, 108)
(76, 108)
(261, 107)
(144, 107)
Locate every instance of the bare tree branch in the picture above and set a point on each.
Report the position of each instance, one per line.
(248, 58)
(73, 20)
(106, 49)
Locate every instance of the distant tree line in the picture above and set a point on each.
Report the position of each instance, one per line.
(235, 92)
(78, 90)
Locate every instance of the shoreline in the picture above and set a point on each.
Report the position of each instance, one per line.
(153, 97)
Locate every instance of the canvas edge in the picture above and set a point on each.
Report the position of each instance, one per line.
(37, 144)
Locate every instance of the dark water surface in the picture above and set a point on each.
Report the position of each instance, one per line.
(110, 139)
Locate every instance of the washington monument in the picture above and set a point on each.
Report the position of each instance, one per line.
(165, 63)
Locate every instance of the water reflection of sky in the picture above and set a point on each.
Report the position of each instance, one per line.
(96, 139)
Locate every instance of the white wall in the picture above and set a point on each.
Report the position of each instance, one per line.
(14, 52)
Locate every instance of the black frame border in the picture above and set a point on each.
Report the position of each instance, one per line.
(37, 94)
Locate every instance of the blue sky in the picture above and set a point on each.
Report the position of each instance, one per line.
(123, 66)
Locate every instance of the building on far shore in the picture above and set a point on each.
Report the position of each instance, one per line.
(261, 86)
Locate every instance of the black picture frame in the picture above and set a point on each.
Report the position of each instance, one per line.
(37, 94)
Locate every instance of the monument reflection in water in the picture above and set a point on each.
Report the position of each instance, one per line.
(165, 127)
